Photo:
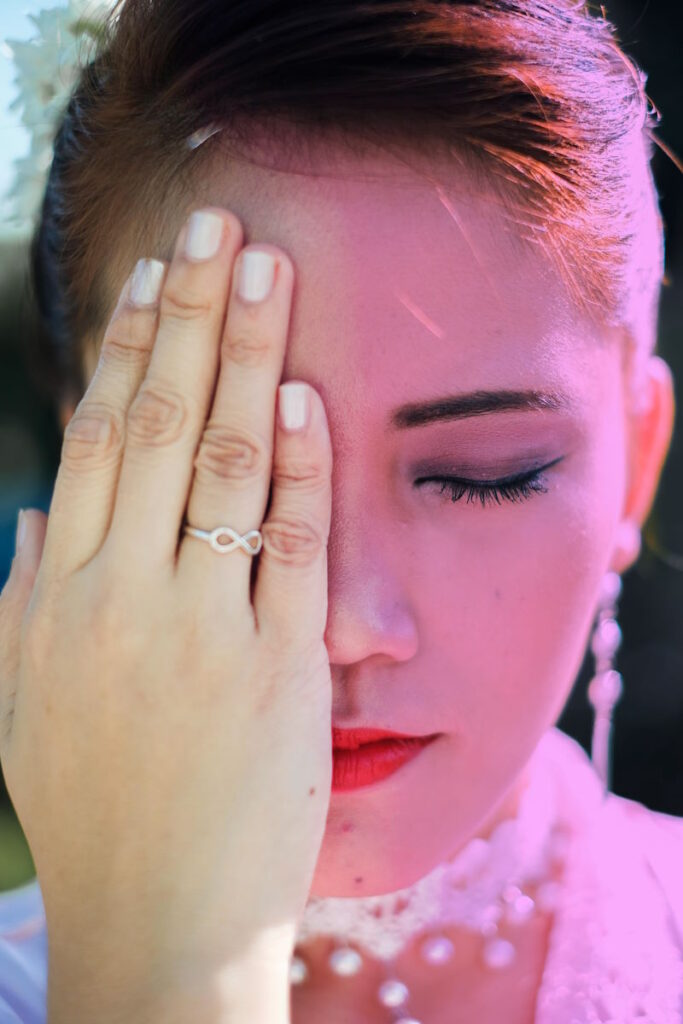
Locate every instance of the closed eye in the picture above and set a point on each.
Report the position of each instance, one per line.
(515, 488)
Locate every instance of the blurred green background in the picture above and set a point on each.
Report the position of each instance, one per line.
(648, 747)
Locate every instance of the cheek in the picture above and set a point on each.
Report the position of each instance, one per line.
(510, 605)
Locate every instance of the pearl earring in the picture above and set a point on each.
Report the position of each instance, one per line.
(606, 686)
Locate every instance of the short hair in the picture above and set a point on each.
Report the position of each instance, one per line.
(535, 94)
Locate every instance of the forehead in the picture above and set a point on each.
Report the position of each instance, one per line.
(410, 283)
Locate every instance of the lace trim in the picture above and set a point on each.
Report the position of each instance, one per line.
(611, 955)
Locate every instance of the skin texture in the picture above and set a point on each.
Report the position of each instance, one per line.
(446, 617)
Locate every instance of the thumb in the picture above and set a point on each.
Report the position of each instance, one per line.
(31, 529)
(30, 538)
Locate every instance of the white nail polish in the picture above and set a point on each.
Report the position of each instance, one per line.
(256, 275)
(146, 284)
(293, 402)
(204, 233)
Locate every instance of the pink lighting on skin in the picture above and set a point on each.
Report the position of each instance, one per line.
(442, 617)
(420, 316)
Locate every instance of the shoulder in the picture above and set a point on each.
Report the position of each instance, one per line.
(654, 839)
(23, 956)
(660, 838)
(661, 833)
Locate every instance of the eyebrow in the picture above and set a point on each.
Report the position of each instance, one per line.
(475, 403)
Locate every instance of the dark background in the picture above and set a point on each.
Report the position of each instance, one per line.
(648, 747)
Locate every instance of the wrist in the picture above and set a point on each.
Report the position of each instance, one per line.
(251, 987)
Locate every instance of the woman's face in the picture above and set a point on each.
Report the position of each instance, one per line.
(457, 618)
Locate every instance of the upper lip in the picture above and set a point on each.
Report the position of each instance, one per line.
(350, 739)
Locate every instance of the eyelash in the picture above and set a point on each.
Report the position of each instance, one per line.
(519, 488)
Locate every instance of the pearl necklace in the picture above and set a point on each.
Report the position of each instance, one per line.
(479, 888)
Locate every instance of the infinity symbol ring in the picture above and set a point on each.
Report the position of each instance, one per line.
(237, 539)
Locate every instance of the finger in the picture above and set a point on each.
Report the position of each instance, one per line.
(30, 539)
(167, 417)
(92, 448)
(14, 601)
(234, 462)
(290, 593)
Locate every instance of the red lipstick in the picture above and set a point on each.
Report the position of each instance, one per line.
(350, 739)
(364, 756)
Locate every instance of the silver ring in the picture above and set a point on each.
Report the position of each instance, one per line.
(237, 539)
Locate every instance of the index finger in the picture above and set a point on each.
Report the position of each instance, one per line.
(85, 486)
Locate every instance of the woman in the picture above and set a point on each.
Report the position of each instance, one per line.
(437, 224)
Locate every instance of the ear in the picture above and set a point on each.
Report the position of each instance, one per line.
(651, 431)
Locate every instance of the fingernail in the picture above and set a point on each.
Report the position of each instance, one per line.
(256, 275)
(204, 233)
(293, 403)
(146, 284)
(21, 531)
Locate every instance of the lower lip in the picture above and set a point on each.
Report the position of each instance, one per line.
(372, 762)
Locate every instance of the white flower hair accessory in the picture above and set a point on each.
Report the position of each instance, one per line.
(47, 68)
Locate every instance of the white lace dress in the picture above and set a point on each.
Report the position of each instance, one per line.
(616, 946)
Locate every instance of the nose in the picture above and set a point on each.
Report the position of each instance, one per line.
(369, 601)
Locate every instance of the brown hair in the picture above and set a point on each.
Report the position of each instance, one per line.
(536, 94)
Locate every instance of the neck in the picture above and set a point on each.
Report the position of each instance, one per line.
(316, 950)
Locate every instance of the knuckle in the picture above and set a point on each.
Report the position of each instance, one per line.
(93, 432)
(181, 306)
(300, 473)
(157, 416)
(295, 542)
(246, 348)
(127, 350)
(230, 455)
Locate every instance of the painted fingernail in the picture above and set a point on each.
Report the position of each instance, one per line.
(204, 233)
(145, 287)
(294, 404)
(256, 275)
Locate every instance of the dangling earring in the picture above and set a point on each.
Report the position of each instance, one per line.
(606, 686)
